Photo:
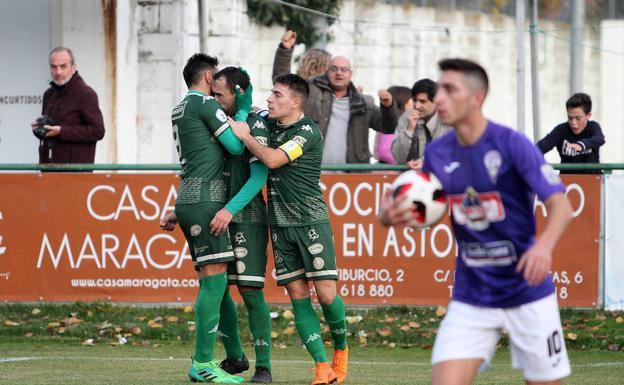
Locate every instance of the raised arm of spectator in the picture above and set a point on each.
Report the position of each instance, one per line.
(384, 118)
(596, 138)
(283, 54)
(402, 141)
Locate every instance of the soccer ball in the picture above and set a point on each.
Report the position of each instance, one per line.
(426, 198)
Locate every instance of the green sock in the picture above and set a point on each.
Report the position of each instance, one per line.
(228, 327)
(260, 325)
(309, 328)
(335, 317)
(211, 289)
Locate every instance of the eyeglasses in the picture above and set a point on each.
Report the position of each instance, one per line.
(339, 69)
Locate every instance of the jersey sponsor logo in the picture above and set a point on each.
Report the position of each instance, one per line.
(221, 115)
(451, 167)
(240, 267)
(262, 140)
(492, 161)
(550, 175)
(313, 235)
(240, 238)
(497, 253)
(292, 149)
(178, 111)
(315, 248)
(195, 230)
(476, 210)
(318, 263)
(259, 124)
(240, 252)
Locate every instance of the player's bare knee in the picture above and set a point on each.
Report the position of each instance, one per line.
(212, 269)
(298, 289)
(325, 291)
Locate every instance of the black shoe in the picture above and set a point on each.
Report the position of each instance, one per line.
(262, 376)
(234, 366)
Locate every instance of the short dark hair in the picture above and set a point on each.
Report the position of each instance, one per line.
(401, 95)
(195, 67)
(580, 100)
(468, 68)
(296, 83)
(426, 86)
(233, 77)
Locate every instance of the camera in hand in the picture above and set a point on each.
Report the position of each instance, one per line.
(41, 131)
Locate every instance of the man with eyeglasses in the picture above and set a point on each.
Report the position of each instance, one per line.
(341, 111)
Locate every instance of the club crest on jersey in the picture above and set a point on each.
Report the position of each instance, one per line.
(262, 140)
(313, 235)
(240, 237)
(318, 263)
(240, 252)
(492, 161)
(221, 115)
(476, 210)
(240, 267)
(300, 140)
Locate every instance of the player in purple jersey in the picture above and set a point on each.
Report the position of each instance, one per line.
(491, 174)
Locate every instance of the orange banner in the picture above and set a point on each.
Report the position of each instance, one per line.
(86, 237)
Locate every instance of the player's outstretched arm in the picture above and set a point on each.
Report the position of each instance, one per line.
(537, 260)
(232, 144)
(271, 157)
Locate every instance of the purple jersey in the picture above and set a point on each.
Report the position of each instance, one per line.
(490, 187)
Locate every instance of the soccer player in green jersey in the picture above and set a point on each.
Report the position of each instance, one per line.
(246, 219)
(203, 136)
(298, 216)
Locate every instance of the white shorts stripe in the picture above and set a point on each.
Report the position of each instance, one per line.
(232, 277)
(313, 274)
(220, 130)
(290, 275)
(252, 278)
(210, 257)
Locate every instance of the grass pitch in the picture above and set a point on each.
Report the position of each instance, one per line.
(64, 361)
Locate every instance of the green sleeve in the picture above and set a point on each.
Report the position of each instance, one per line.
(232, 144)
(251, 188)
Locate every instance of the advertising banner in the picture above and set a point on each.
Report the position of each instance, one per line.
(86, 237)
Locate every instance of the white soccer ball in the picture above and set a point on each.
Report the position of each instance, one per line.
(425, 197)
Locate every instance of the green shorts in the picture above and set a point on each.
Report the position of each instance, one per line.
(205, 248)
(305, 252)
(250, 250)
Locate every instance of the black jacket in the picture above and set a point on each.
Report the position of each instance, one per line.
(591, 138)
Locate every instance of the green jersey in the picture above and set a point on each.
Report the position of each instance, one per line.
(237, 172)
(197, 122)
(295, 196)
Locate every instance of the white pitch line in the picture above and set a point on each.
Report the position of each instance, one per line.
(82, 358)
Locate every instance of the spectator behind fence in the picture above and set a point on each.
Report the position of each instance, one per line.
(579, 139)
(71, 121)
(418, 126)
(383, 142)
(313, 63)
(343, 114)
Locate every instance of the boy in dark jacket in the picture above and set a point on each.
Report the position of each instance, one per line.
(579, 139)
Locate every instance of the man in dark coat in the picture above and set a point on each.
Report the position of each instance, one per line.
(75, 121)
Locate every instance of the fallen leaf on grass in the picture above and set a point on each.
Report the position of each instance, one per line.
(274, 335)
(35, 311)
(188, 309)
(440, 311)
(88, 342)
(11, 323)
(288, 314)
(571, 336)
(53, 325)
(173, 319)
(390, 319)
(385, 332)
(619, 320)
(414, 325)
(353, 319)
(405, 328)
(613, 347)
(29, 334)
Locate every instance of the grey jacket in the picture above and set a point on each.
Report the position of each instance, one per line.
(363, 112)
(425, 132)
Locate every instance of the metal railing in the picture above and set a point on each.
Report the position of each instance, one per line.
(605, 167)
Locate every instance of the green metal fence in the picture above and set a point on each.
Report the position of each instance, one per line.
(605, 167)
